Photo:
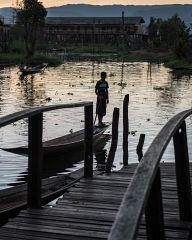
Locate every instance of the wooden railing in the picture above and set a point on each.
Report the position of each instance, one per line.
(35, 153)
(144, 192)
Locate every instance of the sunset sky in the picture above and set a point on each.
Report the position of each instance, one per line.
(48, 3)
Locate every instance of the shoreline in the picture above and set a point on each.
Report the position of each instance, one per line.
(143, 55)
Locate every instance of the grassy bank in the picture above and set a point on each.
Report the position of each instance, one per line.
(105, 54)
(115, 54)
(178, 64)
(15, 59)
(149, 55)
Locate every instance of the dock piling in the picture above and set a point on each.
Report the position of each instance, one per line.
(140, 146)
(183, 173)
(154, 211)
(35, 160)
(88, 162)
(125, 129)
(111, 155)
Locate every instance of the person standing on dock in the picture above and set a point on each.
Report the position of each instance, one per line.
(101, 90)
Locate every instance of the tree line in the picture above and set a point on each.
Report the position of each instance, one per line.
(171, 34)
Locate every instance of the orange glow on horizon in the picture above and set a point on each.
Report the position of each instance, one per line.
(51, 3)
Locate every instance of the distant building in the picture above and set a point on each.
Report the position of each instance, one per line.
(4, 35)
(97, 29)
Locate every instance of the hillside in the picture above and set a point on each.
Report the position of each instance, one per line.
(86, 10)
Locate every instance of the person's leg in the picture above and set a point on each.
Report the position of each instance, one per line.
(100, 117)
(101, 111)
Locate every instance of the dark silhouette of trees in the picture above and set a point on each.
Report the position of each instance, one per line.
(31, 15)
(171, 34)
(173, 31)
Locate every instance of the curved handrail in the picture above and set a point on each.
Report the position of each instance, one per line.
(136, 196)
(35, 147)
(36, 110)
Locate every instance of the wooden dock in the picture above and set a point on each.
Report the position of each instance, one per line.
(151, 200)
(88, 209)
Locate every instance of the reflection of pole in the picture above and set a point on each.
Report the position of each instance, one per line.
(149, 70)
(122, 72)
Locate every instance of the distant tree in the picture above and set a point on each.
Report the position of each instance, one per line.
(183, 50)
(31, 15)
(173, 31)
(154, 30)
(171, 34)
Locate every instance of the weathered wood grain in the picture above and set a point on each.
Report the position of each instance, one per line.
(88, 209)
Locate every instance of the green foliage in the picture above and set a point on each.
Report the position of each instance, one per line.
(51, 60)
(154, 27)
(11, 58)
(183, 50)
(31, 15)
(173, 31)
(17, 46)
(98, 49)
(17, 58)
(168, 32)
(178, 64)
(171, 34)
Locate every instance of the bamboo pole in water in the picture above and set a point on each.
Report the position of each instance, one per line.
(140, 146)
(115, 125)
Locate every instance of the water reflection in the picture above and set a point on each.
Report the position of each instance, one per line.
(100, 158)
(179, 75)
(156, 94)
(149, 71)
(28, 90)
(57, 164)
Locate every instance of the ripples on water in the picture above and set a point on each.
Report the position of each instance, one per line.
(156, 95)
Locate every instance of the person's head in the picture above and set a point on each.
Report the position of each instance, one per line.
(103, 75)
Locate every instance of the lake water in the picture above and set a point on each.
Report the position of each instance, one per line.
(156, 94)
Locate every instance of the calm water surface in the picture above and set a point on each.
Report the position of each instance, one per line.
(156, 94)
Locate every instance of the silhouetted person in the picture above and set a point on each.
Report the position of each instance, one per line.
(101, 90)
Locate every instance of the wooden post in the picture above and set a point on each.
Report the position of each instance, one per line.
(183, 173)
(154, 211)
(35, 159)
(88, 163)
(114, 140)
(125, 129)
(140, 146)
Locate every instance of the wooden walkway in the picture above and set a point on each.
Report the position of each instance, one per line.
(88, 209)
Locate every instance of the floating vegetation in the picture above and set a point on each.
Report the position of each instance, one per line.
(122, 84)
(160, 88)
(112, 74)
(133, 132)
(48, 99)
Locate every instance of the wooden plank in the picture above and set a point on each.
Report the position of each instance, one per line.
(87, 211)
(15, 198)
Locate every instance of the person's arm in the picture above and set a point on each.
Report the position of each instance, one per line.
(107, 94)
(96, 89)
